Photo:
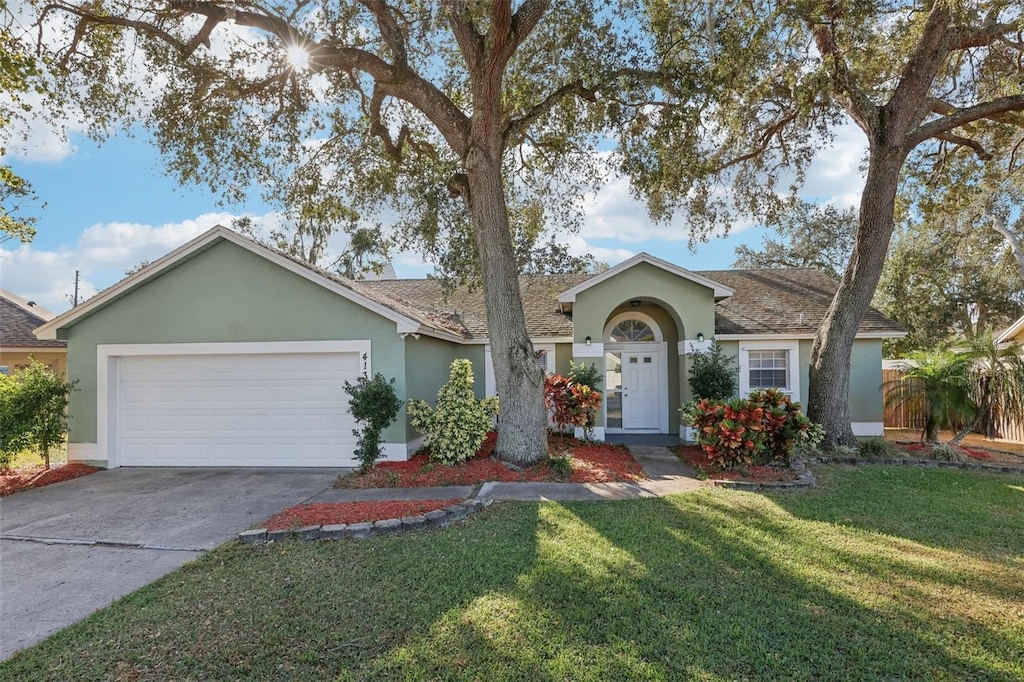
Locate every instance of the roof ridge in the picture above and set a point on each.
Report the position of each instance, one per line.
(30, 307)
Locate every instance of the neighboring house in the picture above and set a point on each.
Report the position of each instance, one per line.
(1012, 334)
(229, 353)
(18, 318)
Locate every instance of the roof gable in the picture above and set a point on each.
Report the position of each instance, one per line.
(720, 290)
(18, 319)
(408, 320)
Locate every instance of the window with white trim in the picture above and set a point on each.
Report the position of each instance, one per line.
(632, 331)
(770, 364)
(768, 369)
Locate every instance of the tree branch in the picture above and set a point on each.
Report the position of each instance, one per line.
(979, 149)
(400, 82)
(860, 107)
(390, 30)
(944, 124)
(970, 36)
(517, 128)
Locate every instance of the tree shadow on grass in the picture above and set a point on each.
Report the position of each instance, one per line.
(702, 587)
(964, 511)
(711, 585)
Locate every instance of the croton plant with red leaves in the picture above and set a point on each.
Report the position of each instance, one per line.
(751, 431)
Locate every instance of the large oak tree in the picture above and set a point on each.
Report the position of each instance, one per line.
(776, 78)
(446, 114)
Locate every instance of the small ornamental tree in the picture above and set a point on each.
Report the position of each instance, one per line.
(33, 405)
(375, 405)
(455, 428)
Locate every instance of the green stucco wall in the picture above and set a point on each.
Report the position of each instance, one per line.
(225, 294)
(682, 308)
(692, 305)
(866, 381)
(427, 363)
(865, 377)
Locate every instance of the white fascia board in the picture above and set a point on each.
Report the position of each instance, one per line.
(783, 336)
(720, 290)
(535, 340)
(34, 349)
(48, 331)
(1011, 331)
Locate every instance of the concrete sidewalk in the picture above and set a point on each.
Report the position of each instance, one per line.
(666, 473)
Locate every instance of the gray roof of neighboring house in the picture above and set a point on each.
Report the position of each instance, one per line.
(18, 317)
(786, 301)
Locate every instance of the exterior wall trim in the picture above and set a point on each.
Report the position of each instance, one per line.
(405, 325)
(778, 344)
(107, 365)
(787, 336)
(864, 429)
(582, 350)
(35, 349)
(720, 290)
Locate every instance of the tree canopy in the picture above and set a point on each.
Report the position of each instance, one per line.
(808, 236)
(447, 117)
(774, 79)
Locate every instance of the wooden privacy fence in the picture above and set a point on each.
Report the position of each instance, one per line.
(911, 416)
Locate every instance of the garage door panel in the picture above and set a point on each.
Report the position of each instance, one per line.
(235, 410)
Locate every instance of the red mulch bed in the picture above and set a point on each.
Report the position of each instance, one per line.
(591, 463)
(351, 512)
(918, 449)
(698, 459)
(16, 480)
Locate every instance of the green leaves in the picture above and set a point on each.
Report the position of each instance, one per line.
(455, 428)
(33, 403)
(374, 403)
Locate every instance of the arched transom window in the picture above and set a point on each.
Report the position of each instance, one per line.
(632, 330)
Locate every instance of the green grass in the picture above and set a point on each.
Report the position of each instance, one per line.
(880, 573)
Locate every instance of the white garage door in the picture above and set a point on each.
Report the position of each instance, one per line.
(272, 410)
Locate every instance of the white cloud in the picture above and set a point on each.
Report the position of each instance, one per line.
(102, 254)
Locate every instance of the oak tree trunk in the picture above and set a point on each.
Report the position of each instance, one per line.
(522, 431)
(827, 399)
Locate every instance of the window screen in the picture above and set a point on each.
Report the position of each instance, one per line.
(769, 368)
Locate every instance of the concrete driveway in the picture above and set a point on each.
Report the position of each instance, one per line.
(70, 548)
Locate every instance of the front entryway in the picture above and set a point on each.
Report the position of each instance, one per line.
(640, 399)
(635, 389)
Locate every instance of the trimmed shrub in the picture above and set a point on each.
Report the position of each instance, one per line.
(455, 428)
(877, 447)
(765, 427)
(713, 374)
(33, 412)
(375, 404)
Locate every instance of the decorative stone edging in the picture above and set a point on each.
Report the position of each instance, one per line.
(438, 518)
(805, 479)
(930, 463)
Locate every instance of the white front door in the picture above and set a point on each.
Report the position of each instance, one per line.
(641, 381)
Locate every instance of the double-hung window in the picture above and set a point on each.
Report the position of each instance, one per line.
(766, 364)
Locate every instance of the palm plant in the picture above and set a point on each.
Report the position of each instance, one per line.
(995, 383)
(937, 383)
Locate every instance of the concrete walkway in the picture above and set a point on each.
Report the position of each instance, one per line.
(667, 475)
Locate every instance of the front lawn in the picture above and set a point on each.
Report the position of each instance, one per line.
(881, 573)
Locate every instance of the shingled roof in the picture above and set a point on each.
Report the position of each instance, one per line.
(786, 301)
(783, 301)
(18, 317)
